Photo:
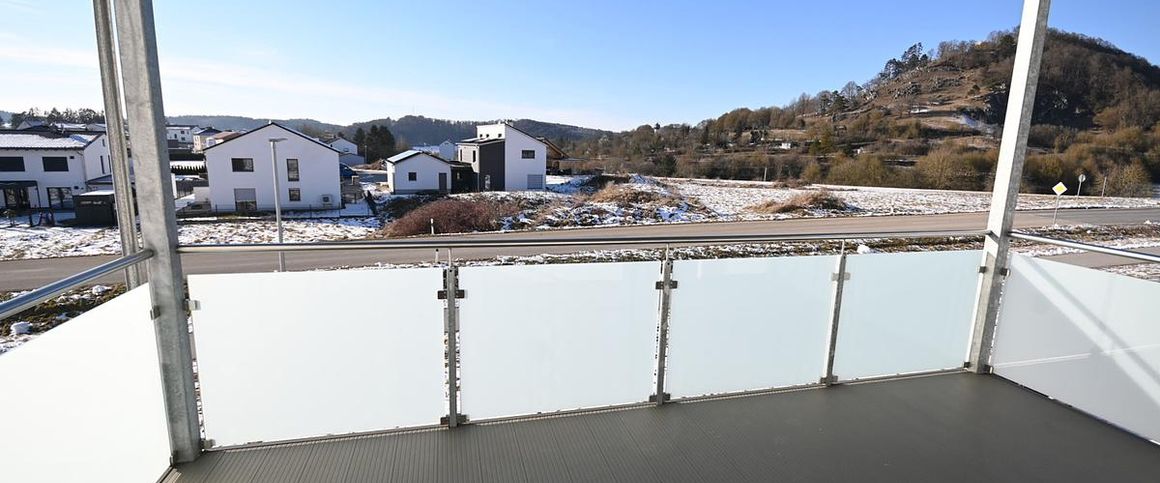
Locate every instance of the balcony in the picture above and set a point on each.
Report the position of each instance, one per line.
(817, 367)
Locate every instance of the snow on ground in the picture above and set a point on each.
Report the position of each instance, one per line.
(48, 242)
(732, 199)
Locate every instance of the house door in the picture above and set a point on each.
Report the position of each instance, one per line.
(442, 181)
(16, 198)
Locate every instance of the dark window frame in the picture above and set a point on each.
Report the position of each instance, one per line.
(247, 165)
(293, 174)
(527, 154)
(294, 194)
(412, 176)
(10, 168)
(56, 160)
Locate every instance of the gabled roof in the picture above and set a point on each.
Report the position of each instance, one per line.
(525, 133)
(45, 140)
(207, 131)
(410, 153)
(291, 131)
(553, 147)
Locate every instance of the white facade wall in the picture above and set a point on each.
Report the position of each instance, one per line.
(317, 164)
(181, 134)
(97, 161)
(426, 168)
(344, 146)
(517, 169)
(447, 150)
(73, 179)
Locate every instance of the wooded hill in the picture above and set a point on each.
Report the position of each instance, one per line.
(928, 119)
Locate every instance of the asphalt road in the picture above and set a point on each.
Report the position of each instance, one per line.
(28, 274)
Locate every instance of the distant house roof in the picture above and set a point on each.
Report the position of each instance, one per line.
(224, 135)
(410, 153)
(479, 140)
(554, 151)
(180, 126)
(207, 131)
(291, 131)
(45, 140)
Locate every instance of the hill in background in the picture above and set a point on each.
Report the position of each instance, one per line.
(929, 119)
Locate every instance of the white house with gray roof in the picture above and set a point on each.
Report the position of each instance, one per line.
(42, 169)
(416, 171)
(241, 177)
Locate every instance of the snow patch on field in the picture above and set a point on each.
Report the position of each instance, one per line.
(48, 242)
(732, 200)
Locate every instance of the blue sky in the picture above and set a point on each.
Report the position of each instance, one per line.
(605, 64)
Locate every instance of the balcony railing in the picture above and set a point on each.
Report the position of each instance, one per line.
(290, 356)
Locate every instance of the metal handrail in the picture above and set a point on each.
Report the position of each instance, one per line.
(1088, 247)
(512, 242)
(17, 304)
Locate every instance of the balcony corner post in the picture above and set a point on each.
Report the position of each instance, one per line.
(1008, 177)
(137, 41)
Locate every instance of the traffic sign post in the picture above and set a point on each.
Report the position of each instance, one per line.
(1079, 189)
(1059, 190)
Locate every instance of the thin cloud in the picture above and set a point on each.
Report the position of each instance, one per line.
(247, 82)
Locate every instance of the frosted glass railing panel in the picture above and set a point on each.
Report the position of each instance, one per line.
(750, 323)
(291, 355)
(83, 402)
(906, 312)
(555, 337)
(1088, 338)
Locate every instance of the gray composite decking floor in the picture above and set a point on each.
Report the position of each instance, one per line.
(957, 427)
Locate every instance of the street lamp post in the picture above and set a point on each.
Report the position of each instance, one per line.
(277, 198)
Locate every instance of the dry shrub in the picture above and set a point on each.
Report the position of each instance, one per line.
(625, 195)
(807, 200)
(453, 216)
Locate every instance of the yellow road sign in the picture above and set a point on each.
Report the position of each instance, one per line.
(1059, 189)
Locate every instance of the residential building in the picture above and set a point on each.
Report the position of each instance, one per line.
(415, 171)
(241, 178)
(343, 146)
(351, 159)
(182, 133)
(445, 150)
(504, 158)
(42, 169)
(202, 138)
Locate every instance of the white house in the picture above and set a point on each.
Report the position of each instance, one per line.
(445, 149)
(343, 146)
(505, 158)
(41, 169)
(241, 177)
(414, 171)
(182, 133)
(202, 138)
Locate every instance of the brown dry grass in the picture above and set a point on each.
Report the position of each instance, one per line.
(815, 200)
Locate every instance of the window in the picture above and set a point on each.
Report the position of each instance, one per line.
(292, 169)
(55, 163)
(103, 171)
(295, 194)
(245, 199)
(60, 197)
(473, 156)
(243, 165)
(412, 176)
(528, 154)
(11, 163)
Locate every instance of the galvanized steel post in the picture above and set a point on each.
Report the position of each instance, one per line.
(451, 293)
(115, 134)
(1008, 176)
(666, 286)
(839, 278)
(137, 40)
